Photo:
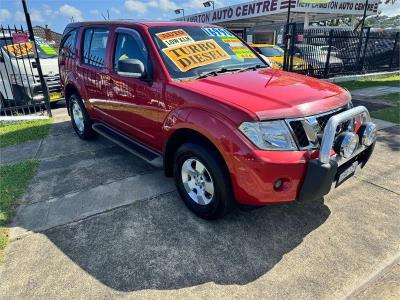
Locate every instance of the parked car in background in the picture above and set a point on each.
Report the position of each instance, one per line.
(196, 100)
(276, 55)
(19, 80)
(376, 54)
(316, 57)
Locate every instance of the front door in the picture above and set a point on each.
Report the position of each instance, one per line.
(135, 106)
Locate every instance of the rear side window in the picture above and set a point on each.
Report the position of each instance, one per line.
(94, 46)
(67, 47)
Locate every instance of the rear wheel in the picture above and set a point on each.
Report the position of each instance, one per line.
(80, 119)
(202, 181)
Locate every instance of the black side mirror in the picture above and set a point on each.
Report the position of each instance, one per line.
(131, 68)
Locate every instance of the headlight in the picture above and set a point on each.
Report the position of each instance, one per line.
(270, 135)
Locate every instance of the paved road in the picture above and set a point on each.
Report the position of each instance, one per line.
(97, 223)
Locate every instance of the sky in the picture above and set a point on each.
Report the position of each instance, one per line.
(58, 13)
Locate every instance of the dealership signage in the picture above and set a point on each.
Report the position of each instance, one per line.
(269, 7)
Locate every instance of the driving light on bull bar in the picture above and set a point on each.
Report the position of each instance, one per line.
(367, 133)
(346, 144)
(269, 135)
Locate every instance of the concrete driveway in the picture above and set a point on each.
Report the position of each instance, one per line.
(100, 223)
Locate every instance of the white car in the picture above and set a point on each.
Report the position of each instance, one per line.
(19, 78)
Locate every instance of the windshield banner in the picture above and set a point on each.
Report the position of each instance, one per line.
(175, 37)
(19, 50)
(197, 54)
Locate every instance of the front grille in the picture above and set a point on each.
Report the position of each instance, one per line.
(52, 81)
(299, 132)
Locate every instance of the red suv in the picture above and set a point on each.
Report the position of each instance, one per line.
(195, 99)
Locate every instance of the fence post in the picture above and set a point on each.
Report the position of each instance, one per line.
(37, 60)
(365, 48)
(394, 50)
(328, 55)
(286, 47)
(292, 43)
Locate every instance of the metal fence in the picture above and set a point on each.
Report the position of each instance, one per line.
(326, 53)
(22, 91)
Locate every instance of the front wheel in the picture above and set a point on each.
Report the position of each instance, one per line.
(202, 181)
(80, 119)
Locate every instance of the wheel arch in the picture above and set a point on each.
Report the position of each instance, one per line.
(70, 89)
(184, 135)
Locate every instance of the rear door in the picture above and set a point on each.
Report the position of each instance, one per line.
(93, 68)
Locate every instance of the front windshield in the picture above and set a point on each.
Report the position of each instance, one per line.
(192, 51)
(271, 51)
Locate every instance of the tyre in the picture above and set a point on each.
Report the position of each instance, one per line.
(80, 119)
(202, 181)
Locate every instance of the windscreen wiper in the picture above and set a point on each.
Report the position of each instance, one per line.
(217, 71)
(254, 67)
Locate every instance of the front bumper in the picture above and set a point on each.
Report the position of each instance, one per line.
(321, 173)
(320, 176)
(308, 174)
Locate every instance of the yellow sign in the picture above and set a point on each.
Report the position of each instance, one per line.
(196, 54)
(21, 49)
(175, 37)
(243, 52)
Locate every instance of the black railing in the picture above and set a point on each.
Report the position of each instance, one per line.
(21, 91)
(326, 53)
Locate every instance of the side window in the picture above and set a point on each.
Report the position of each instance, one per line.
(129, 46)
(94, 46)
(67, 46)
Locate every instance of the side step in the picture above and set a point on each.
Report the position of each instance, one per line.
(129, 144)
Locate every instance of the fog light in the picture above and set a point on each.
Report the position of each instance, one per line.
(367, 133)
(346, 144)
(278, 184)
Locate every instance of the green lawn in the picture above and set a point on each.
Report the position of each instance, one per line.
(370, 82)
(14, 179)
(391, 114)
(19, 132)
(395, 97)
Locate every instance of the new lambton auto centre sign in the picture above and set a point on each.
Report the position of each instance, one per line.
(269, 7)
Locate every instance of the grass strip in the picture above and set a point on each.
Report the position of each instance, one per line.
(18, 132)
(390, 114)
(392, 80)
(14, 179)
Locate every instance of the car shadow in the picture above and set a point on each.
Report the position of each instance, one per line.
(390, 137)
(160, 244)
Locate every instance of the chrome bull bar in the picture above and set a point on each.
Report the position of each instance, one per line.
(328, 137)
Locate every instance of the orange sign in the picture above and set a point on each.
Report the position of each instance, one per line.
(19, 50)
(197, 54)
(175, 37)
